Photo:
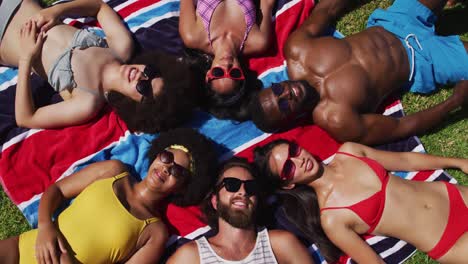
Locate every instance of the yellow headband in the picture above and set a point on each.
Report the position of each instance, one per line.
(184, 149)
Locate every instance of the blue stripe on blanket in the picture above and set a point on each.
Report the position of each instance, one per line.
(154, 14)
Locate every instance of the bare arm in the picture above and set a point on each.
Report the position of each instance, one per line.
(188, 253)
(191, 35)
(74, 111)
(345, 124)
(48, 239)
(118, 37)
(155, 239)
(339, 230)
(326, 13)
(260, 37)
(406, 161)
(287, 248)
(70, 112)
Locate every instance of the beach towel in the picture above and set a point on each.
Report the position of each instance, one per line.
(32, 159)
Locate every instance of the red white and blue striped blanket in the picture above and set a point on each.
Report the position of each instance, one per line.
(32, 159)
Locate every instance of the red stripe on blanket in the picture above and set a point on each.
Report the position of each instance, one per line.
(54, 151)
(422, 175)
(285, 24)
(183, 221)
(312, 138)
(136, 6)
(124, 13)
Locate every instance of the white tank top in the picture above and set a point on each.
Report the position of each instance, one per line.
(262, 252)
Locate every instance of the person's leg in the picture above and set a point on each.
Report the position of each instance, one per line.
(435, 5)
(9, 251)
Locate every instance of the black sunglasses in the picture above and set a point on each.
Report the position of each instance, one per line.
(144, 87)
(176, 170)
(277, 90)
(233, 185)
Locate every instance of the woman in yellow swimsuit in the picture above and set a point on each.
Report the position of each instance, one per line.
(114, 218)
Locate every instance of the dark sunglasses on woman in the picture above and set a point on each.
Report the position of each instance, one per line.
(289, 168)
(144, 87)
(175, 169)
(283, 103)
(233, 185)
(235, 73)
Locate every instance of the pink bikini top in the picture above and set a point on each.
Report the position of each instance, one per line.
(205, 9)
(370, 209)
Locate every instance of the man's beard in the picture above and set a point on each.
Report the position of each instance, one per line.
(237, 218)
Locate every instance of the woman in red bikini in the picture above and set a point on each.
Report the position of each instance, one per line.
(355, 194)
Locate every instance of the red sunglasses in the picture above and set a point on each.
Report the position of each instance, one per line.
(235, 73)
(289, 168)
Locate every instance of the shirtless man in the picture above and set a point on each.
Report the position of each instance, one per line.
(342, 82)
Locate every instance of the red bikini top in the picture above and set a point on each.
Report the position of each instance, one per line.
(370, 209)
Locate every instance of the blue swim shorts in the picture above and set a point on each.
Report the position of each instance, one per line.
(434, 60)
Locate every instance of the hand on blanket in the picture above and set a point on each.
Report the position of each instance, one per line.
(50, 245)
(46, 19)
(31, 41)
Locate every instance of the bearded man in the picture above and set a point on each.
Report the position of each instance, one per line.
(231, 211)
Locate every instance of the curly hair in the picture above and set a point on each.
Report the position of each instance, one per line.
(210, 214)
(232, 106)
(204, 163)
(299, 205)
(170, 108)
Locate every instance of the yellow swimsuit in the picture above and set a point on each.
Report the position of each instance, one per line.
(98, 228)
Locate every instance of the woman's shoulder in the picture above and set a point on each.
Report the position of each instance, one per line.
(351, 148)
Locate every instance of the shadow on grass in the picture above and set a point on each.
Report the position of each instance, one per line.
(453, 21)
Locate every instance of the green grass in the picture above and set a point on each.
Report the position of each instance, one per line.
(449, 139)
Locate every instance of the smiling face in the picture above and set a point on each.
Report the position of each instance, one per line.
(161, 174)
(238, 207)
(285, 99)
(130, 75)
(293, 166)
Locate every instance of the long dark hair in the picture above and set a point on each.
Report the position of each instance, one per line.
(299, 205)
(300, 208)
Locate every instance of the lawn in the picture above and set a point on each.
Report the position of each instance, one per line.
(449, 139)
